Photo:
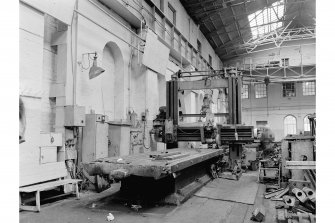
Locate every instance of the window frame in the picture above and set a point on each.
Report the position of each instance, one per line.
(267, 19)
(210, 60)
(262, 96)
(199, 47)
(161, 5)
(285, 62)
(284, 89)
(248, 89)
(306, 89)
(174, 12)
(285, 125)
(306, 124)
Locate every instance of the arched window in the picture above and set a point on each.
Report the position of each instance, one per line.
(290, 125)
(306, 124)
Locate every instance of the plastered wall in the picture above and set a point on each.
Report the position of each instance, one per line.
(126, 85)
(31, 68)
(107, 93)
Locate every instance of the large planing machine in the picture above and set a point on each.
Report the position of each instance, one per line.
(169, 129)
(178, 172)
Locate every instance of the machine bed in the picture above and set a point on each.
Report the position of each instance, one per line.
(145, 165)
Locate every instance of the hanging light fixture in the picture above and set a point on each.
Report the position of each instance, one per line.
(95, 70)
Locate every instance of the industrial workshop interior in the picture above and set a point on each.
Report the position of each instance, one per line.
(173, 111)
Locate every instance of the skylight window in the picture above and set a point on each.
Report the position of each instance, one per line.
(266, 20)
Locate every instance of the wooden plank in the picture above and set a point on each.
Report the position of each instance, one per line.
(297, 163)
(273, 193)
(48, 185)
(282, 193)
(300, 165)
(31, 174)
(202, 84)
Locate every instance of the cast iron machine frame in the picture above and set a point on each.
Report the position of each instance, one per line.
(231, 134)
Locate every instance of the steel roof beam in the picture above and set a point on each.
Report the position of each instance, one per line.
(204, 19)
(286, 35)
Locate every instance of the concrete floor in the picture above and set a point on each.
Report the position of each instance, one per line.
(94, 207)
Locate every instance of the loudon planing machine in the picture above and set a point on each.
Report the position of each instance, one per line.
(177, 173)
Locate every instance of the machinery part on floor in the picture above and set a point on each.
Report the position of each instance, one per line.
(300, 195)
(273, 193)
(299, 184)
(309, 193)
(213, 171)
(284, 216)
(281, 194)
(101, 183)
(290, 200)
(258, 214)
(310, 175)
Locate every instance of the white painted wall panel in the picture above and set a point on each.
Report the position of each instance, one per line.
(92, 38)
(33, 24)
(156, 54)
(31, 63)
(60, 9)
(31, 60)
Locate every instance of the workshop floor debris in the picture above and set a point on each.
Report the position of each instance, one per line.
(294, 204)
(243, 190)
(95, 207)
